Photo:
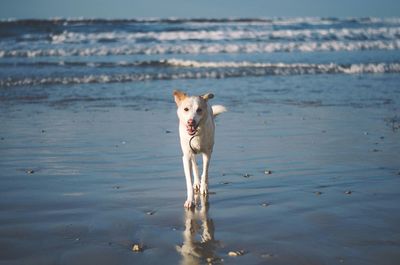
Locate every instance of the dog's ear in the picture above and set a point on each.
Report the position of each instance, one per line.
(179, 96)
(207, 96)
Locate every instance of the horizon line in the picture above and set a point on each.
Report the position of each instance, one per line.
(194, 18)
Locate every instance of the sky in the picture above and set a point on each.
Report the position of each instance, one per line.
(197, 8)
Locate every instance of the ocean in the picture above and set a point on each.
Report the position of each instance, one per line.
(52, 60)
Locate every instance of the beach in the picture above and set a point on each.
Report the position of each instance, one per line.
(305, 168)
(81, 184)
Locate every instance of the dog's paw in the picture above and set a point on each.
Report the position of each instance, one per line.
(189, 204)
(196, 187)
(204, 189)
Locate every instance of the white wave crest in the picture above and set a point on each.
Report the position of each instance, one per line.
(386, 33)
(196, 48)
(296, 67)
(211, 70)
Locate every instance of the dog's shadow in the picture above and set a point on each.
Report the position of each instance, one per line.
(199, 244)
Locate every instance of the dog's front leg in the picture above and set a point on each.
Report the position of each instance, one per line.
(187, 167)
(204, 175)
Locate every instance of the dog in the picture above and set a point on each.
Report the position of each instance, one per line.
(196, 132)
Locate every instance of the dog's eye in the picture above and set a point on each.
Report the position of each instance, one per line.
(186, 109)
(199, 110)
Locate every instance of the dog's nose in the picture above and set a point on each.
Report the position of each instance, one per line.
(191, 122)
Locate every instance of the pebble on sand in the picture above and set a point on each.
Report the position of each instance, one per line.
(137, 248)
(225, 182)
(236, 253)
(267, 256)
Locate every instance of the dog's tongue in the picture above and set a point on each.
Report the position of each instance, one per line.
(191, 130)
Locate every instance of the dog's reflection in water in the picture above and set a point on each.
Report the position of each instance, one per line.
(199, 245)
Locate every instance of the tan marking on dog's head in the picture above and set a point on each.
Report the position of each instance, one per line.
(179, 96)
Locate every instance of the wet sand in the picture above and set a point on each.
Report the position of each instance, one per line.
(81, 185)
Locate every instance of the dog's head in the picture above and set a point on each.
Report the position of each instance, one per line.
(192, 109)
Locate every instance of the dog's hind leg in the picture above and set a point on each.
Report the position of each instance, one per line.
(204, 175)
(187, 167)
(196, 178)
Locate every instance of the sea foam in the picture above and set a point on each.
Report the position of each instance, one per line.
(229, 34)
(189, 69)
(206, 48)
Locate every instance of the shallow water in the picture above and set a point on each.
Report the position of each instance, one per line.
(108, 174)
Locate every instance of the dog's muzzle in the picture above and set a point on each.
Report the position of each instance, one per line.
(191, 127)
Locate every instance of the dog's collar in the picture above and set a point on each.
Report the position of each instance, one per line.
(190, 144)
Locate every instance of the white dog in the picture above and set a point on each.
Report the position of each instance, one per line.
(196, 132)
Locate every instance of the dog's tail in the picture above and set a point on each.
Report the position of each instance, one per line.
(218, 109)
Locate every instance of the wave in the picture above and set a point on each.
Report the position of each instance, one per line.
(352, 34)
(193, 64)
(73, 64)
(198, 48)
(283, 68)
(199, 70)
